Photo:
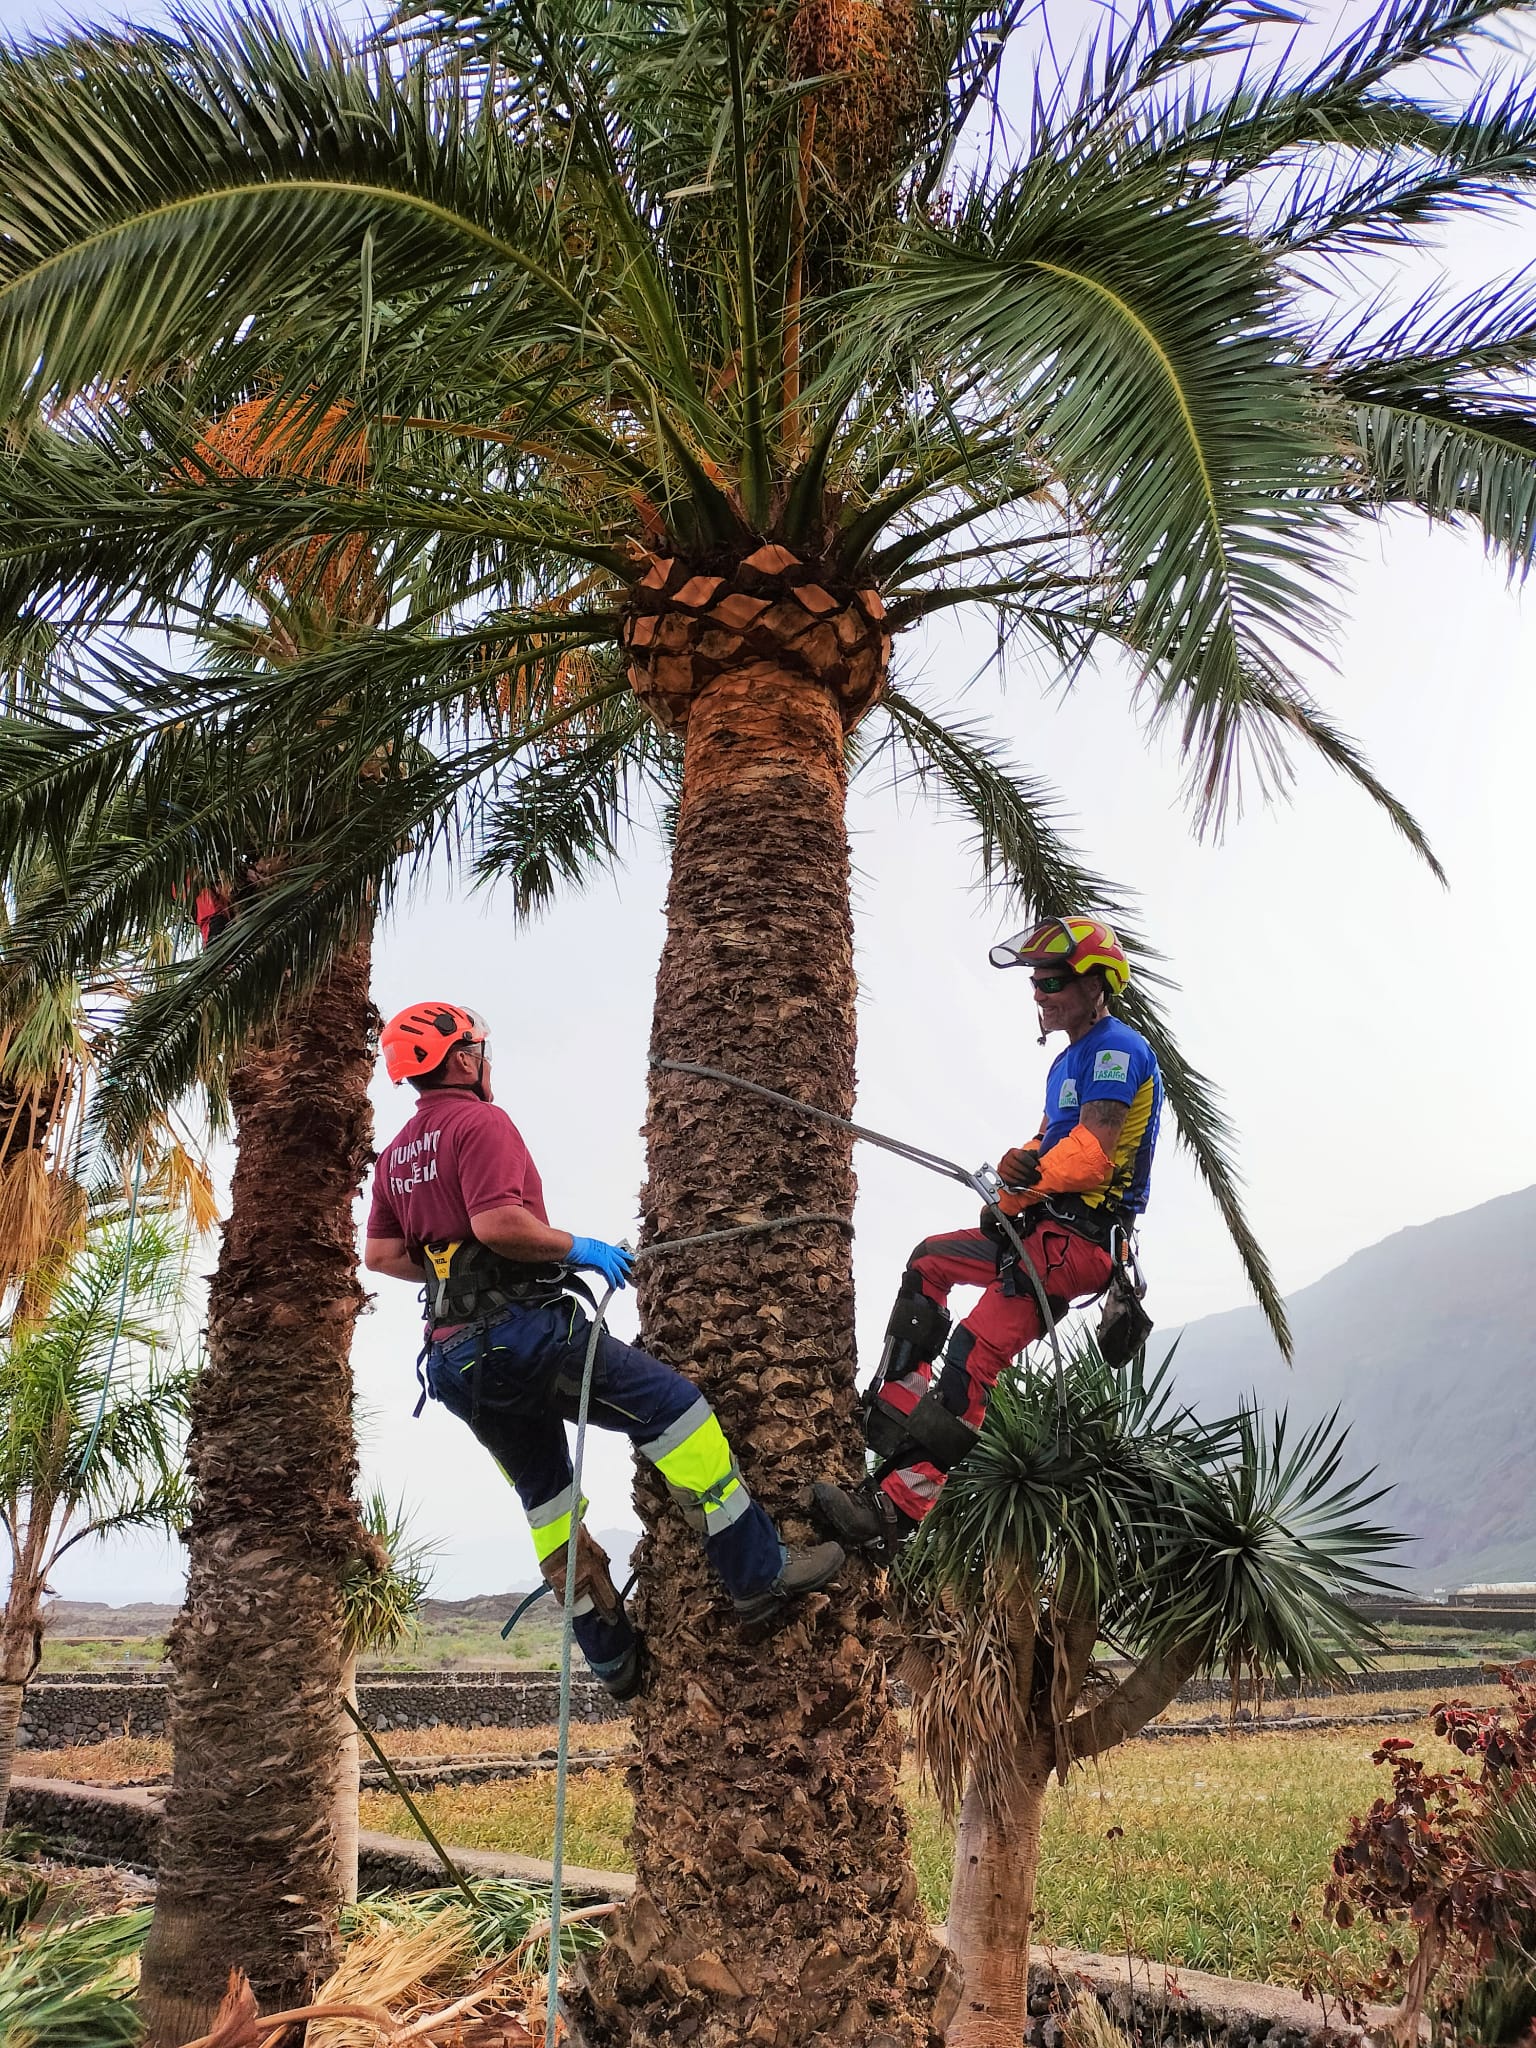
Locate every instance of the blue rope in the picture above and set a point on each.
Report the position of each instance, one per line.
(563, 1750)
(122, 1311)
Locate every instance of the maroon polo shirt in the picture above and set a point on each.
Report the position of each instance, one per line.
(457, 1157)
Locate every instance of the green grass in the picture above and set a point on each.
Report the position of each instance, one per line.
(133, 1654)
(1223, 1842)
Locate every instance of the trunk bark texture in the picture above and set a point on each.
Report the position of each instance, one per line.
(992, 1900)
(349, 1786)
(248, 1872)
(21, 1634)
(12, 1693)
(777, 1901)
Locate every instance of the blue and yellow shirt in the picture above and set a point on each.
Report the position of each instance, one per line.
(1112, 1063)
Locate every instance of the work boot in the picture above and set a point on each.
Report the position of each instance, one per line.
(803, 1571)
(862, 1517)
(625, 1674)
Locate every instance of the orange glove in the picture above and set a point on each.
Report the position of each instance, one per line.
(1076, 1165)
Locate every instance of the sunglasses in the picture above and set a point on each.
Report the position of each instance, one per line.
(1051, 984)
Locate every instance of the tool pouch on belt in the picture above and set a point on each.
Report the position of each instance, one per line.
(1124, 1325)
(594, 1581)
(470, 1282)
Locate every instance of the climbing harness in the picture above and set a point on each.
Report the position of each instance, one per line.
(471, 1282)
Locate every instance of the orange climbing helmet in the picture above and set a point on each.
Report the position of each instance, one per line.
(1080, 943)
(418, 1040)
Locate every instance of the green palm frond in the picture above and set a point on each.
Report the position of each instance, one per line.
(73, 1985)
(1436, 402)
(93, 1397)
(562, 816)
(1140, 341)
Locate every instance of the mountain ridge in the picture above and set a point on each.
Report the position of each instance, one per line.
(1423, 1342)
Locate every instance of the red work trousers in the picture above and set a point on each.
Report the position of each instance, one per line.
(995, 1332)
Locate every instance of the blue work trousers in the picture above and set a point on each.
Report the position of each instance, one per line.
(517, 1382)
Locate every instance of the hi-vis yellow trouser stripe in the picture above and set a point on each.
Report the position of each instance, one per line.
(550, 1522)
(695, 1460)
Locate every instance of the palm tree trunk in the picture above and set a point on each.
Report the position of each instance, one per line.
(776, 1900)
(12, 1693)
(21, 1632)
(248, 1872)
(349, 1785)
(992, 1900)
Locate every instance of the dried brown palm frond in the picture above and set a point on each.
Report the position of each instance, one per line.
(396, 1968)
(967, 1717)
(26, 1211)
(1088, 2025)
(182, 1183)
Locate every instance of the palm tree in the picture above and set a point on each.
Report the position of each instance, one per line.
(1100, 1511)
(93, 1402)
(755, 376)
(278, 999)
(54, 1038)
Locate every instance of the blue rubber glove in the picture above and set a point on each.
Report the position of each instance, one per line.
(611, 1260)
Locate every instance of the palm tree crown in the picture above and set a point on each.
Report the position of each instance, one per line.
(715, 337)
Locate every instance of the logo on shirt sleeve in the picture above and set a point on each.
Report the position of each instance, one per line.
(1112, 1065)
(1067, 1099)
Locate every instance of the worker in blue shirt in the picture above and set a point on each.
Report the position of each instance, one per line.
(1083, 1176)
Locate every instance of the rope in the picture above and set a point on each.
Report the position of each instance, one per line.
(117, 1327)
(934, 1162)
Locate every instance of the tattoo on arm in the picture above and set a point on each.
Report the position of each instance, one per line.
(1106, 1120)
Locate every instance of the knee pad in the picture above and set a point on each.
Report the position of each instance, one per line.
(952, 1383)
(931, 1433)
(915, 1332)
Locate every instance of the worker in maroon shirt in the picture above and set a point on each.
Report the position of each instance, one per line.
(457, 1203)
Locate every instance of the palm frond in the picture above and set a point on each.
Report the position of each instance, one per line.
(1136, 338)
(1436, 403)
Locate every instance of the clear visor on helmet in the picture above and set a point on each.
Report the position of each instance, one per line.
(1010, 952)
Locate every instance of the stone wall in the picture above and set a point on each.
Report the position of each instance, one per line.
(58, 1713)
(1164, 2006)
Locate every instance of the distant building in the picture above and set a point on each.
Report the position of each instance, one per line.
(1511, 1593)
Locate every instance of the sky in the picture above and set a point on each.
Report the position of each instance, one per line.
(1355, 1013)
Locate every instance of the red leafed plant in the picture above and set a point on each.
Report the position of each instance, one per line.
(1451, 1853)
